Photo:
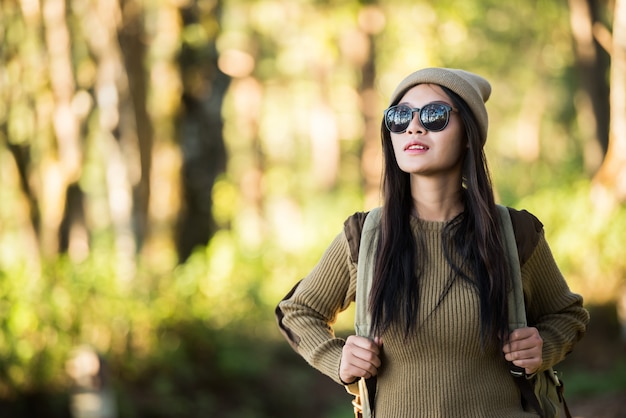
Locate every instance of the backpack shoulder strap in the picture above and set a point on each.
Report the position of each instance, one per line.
(516, 305)
(362, 319)
(365, 266)
(517, 308)
(365, 270)
(367, 246)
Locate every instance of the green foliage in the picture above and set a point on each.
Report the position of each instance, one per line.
(585, 239)
(199, 342)
(584, 383)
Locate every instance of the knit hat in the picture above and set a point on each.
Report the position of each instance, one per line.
(474, 89)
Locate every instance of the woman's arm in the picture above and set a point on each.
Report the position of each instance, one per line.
(551, 306)
(307, 313)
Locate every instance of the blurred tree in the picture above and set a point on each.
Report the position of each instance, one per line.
(610, 181)
(79, 124)
(55, 82)
(592, 64)
(132, 39)
(113, 129)
(371, 21)
(61, 171)
(200, 123)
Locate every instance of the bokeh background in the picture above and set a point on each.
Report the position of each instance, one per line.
(170, 168)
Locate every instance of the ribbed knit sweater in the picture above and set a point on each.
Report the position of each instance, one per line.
(441, 370)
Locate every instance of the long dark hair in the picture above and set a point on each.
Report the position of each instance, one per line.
(474, 235)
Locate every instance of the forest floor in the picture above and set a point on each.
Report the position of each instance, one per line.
(612, 405)
(595, 372)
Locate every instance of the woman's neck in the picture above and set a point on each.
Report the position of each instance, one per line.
(437, 201)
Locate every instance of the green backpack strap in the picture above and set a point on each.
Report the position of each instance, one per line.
(365, 271)
(517, 307)
(365, 266)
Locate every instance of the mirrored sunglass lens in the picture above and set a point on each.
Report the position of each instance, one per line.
(434, 117)
(398, 118)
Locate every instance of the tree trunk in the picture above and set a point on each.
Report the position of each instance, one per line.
(201, 137)
(73, 233)
(116, 131)
(371, 22)
(592, 63)
(131, 39)
(609, 184)
(64, 168)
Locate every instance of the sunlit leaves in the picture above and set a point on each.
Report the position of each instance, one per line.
(584, 240)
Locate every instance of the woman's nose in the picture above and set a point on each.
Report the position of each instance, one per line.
(415, 127)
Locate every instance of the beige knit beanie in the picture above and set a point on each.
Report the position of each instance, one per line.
(474, 89)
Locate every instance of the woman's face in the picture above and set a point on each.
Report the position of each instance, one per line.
(426, 153)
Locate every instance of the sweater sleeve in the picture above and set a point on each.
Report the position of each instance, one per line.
(551, 306)
(307, 313)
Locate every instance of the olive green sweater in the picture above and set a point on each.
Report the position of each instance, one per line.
(441, 370)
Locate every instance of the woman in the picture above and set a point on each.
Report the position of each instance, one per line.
(440, 341)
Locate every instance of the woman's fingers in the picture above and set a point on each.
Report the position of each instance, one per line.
(524, 349)
(360, 358)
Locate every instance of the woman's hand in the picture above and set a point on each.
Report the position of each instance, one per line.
(524, 349)
(360, 358)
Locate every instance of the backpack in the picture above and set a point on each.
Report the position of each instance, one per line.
(542, 393)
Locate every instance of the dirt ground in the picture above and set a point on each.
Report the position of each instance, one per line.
(606, 406)
(601, 350)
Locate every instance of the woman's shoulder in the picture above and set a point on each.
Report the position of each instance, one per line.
(352, 229)
(528, 231)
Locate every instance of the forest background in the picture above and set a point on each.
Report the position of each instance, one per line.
(170, 168)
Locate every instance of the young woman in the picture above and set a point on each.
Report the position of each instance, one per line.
(440, 344)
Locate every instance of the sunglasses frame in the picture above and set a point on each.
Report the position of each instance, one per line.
(449, 109)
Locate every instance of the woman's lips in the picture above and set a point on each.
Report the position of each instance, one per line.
(416, 146)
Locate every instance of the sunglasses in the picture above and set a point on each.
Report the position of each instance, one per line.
(433, 117)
